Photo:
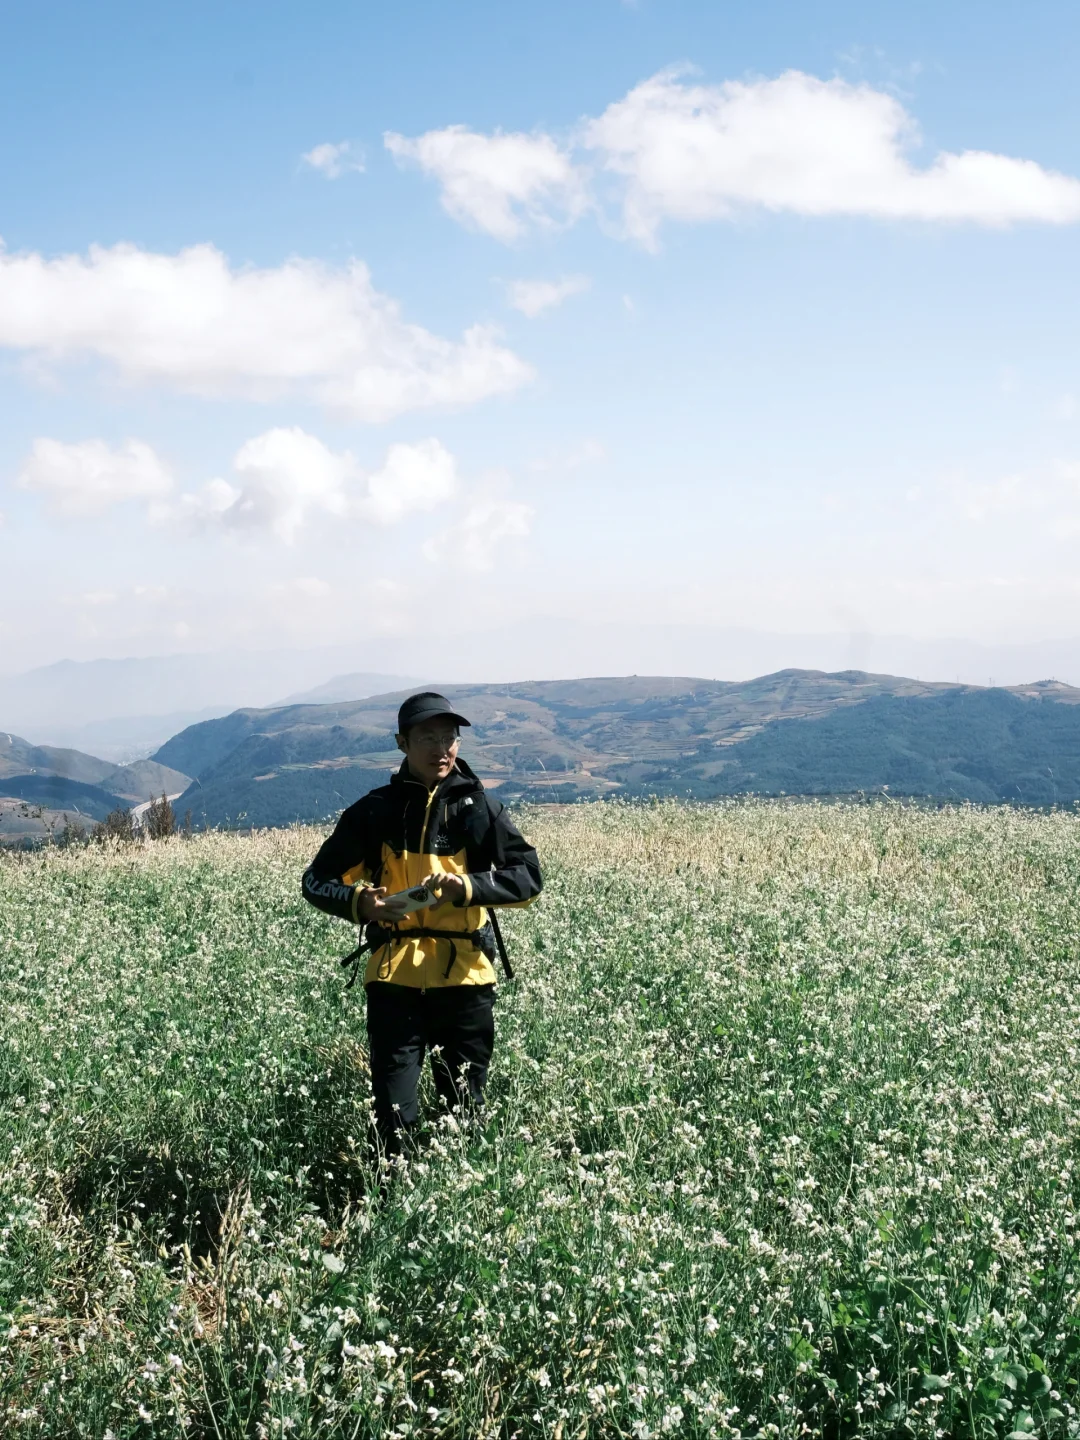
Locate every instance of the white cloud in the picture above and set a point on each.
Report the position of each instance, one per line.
(533, 297)
(286, 477)
(191, 322)
(413, 478)
(676, 150)
(817, 147)
(475, 540)
(201, 508)
(89, 477)
(333, 160)
(497, 183)
(283, 476)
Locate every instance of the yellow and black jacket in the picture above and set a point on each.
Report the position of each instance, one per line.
(402, 832)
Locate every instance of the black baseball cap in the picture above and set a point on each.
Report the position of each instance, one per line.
(426, 706)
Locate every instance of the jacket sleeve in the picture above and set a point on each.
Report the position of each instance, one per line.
(514, 875)
(325, 884)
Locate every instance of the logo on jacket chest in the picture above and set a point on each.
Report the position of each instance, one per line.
(452, 830)
(449, 840)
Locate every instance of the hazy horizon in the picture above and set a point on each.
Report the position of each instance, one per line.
(560, 650)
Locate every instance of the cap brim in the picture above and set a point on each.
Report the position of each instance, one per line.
(437, 715)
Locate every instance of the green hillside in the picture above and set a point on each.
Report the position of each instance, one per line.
(310, 794)
(551, 740)
(54, 792)
(20, 757)
(986, 746)
(798, 731)
(20, 760)
(197, 749)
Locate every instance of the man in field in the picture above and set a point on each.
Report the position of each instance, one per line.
(430, 981)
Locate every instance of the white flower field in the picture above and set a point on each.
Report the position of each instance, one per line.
(782, 1139)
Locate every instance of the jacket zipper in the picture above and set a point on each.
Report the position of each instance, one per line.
(427, 821)
(425, 828)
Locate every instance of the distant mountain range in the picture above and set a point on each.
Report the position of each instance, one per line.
(793, 732)
(126, 709)
(39, 784)
(19, 760)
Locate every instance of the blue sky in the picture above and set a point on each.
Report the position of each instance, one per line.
(729, 315)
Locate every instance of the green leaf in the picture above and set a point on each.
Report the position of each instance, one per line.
(932, 1383)
(801, 1348)
(981, 1261)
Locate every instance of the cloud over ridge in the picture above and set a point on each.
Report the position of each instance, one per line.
(192, 322)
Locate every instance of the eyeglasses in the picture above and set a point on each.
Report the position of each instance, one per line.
(445, 740)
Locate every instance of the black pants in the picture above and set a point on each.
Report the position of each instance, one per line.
(403, 1022)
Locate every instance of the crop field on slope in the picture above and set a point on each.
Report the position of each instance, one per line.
(783, 1140)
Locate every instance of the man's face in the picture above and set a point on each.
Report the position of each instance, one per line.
(431, 748)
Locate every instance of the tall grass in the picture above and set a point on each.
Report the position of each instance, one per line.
(783, 1140)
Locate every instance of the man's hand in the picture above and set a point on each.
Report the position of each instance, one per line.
(371, 907)
(448, 887)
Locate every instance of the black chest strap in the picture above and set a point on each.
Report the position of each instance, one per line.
(488, 940)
